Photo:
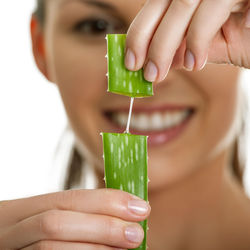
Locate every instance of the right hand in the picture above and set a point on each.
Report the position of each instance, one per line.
(73, 219)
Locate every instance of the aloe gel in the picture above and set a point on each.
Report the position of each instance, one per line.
(120, 80)
(125, 155)
(125, 160)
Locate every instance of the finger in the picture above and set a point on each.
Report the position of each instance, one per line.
(141, 31)
(57, 245)
(203, 29)
(247, 16)
(240, 6)
(100, 201)
(233, 47)
(74, 227)
(178, 60)
(168, 38)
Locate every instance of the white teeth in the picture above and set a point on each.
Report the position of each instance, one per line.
(177, 118)
(140, 121)
(151, 122)
(156, 121)
(120, 118)
(167, 119)
(133, 122)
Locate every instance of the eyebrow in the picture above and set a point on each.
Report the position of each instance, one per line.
(96, 3)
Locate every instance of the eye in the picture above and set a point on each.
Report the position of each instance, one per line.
(96, 27)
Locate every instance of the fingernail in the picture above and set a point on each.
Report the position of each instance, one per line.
(139, 207)
(167, 72)
(150, 72)
(189, 60)
(204, 64)
(247, 22)
(130, 59)
(134, 234)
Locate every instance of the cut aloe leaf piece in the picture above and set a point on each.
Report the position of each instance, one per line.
(125, 160)
(120, 80)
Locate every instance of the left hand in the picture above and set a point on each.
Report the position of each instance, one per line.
(188, 33)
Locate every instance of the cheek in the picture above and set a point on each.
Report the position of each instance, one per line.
(80, 73)
(210, 134)
(217, 119)
(221, 109)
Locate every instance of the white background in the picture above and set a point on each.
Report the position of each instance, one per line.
(31, 113)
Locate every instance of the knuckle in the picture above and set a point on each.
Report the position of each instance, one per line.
(112, 229)
(194, 41)
(136, 34)
(69, 198)
(110, 225)
(50, 223)
(72, 196)
(137, 39)
(120, 197)
(157, 52)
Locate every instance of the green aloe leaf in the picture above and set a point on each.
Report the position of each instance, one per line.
(125, 160)
(120, 80)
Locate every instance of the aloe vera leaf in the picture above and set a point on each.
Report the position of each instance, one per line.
(125, 160)
(120, 80)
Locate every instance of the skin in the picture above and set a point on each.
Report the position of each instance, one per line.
(192, 193)
(224, 38)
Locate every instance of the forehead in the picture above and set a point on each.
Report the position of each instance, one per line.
(129, 6)
(101, 3)
(127, 9)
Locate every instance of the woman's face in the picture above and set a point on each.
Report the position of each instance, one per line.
(189, 119)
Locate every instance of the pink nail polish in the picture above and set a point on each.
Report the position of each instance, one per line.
(189, 60)
(130, 59)
(247, 22)
(150, 72)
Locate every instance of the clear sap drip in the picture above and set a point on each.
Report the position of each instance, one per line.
(129, 115)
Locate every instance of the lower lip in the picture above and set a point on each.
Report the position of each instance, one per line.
(157, 138)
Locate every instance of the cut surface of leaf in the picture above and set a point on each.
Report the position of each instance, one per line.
(125, 160)
(120, 80)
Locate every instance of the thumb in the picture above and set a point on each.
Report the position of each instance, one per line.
(232, 43)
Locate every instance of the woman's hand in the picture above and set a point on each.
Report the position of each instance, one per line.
(76, 219)
(188, 33)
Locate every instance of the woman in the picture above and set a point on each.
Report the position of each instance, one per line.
(193, 122)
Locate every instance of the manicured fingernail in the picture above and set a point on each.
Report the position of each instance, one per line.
(130, 59)
(134, 234)
(189, 60)
(150, 72)
(247, 22)
(139, 207)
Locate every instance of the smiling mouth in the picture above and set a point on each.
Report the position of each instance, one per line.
(161, 124)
